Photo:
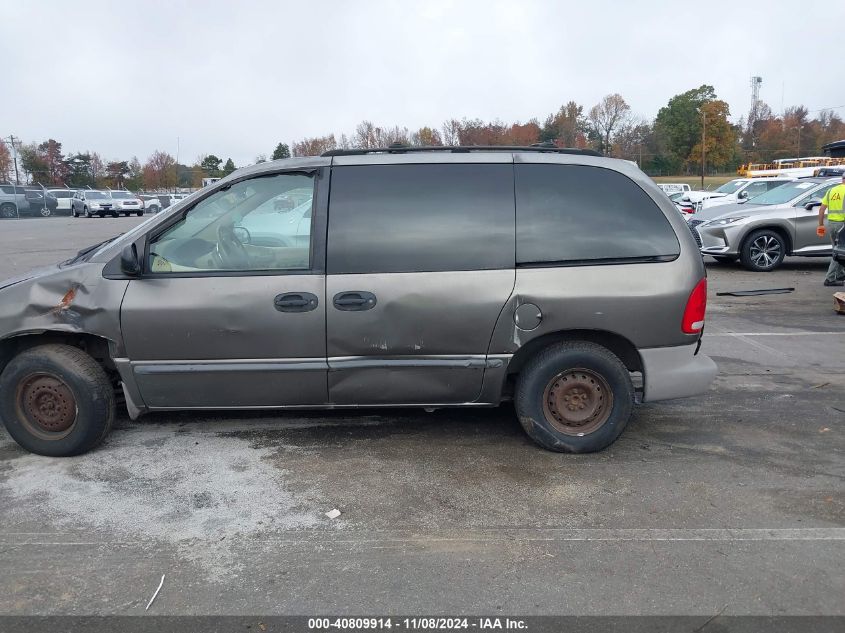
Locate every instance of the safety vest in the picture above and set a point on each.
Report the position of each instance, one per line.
(833, 201)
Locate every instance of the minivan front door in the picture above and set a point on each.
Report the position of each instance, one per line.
(230, 311)
(420, 263)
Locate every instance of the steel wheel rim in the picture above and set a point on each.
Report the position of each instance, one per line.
(765, 251)
(577, 401)
(46, 406)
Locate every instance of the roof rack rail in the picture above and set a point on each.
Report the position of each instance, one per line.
(398, 148)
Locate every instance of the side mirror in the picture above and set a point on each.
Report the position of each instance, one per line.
(130, 265)
(742, 195)
(812, 205)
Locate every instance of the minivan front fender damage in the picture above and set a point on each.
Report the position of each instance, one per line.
(62, 301)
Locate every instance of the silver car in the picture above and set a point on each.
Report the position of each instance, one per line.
(127, 203)
(414, 277)
(91, 202)
(762, 231)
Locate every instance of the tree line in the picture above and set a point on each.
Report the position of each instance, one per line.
(671, 143)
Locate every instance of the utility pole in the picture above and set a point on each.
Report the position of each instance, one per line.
(15, 158)
(703, 139)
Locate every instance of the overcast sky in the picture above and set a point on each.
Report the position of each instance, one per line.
(234, 78)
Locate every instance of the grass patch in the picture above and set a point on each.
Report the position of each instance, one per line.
(710, 182)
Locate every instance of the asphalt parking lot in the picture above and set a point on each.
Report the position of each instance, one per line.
(732, 502)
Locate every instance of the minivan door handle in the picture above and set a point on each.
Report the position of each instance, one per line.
(296, 302)
(355, 300)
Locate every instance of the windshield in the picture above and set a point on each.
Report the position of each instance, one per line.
(95, 195)
(731, 187)
(784, 193)
(122, 195)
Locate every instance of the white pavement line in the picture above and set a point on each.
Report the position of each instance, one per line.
(160, 585)
(841, 333)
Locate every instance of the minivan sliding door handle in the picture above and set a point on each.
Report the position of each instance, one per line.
(356, 300)
(295, 302)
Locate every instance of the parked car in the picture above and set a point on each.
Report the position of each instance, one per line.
(23, 201)
(430, 277)
(126, 202)
(91, 202)
(674, 187)
(151, 203)
(743, 191)
(762, 231)
(63, 200)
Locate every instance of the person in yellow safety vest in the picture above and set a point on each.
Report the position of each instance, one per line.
(832, 203)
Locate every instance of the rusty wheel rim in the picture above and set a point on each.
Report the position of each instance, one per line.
(577, 401)
(46, 406)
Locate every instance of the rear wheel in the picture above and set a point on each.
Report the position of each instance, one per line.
(56, 400)
(574, 397)
(8, 210)
(763, 251)
(139, 213)
(45, 212)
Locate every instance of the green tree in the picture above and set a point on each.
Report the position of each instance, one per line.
(211, 165)
(135, 177)
(79, 170)
(281, 151)
(229, 166)
(116, 174)
(34, 163)
(679, 122)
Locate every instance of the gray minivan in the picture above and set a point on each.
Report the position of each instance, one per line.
(423, 277)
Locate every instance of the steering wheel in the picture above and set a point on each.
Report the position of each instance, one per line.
(230, 252)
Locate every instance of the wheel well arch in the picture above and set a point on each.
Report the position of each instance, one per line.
(619, 345)
(98, 347)
(780, 230)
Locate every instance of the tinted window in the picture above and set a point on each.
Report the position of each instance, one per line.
(575, 213)
(406, 218)
(7, 189)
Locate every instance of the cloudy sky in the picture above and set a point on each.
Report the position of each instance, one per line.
(234, 78)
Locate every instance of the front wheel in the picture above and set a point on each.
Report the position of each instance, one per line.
(8, 210)
(763, 251)
(55, 400)
(574, 397)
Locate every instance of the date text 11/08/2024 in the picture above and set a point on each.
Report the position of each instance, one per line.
(417, 624)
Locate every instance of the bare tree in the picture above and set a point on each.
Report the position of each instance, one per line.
(451, 132)
(606, 117)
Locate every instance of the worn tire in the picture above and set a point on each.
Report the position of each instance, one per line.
(762, 263)
(85, 380)
(540, 372)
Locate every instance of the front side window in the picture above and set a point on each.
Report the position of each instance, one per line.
(421, 218)
(816, 196)
(241, 228)
(755, 189)
(579, 215)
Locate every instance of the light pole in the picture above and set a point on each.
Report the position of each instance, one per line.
(703, 139)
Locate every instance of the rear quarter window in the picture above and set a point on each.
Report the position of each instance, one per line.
(580, 215)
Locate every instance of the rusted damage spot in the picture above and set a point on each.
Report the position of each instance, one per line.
(66, 301)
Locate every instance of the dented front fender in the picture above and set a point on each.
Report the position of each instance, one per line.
(75, 299)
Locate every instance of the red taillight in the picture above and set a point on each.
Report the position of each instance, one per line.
(696, 306)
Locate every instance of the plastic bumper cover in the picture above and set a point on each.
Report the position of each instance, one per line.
(675, 372)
